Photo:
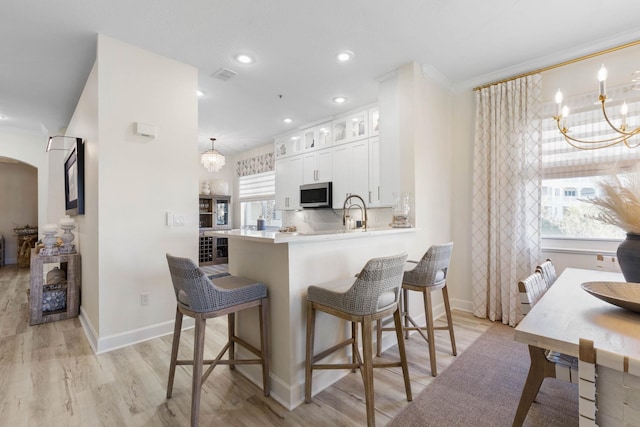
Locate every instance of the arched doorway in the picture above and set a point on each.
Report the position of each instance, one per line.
(18, 210)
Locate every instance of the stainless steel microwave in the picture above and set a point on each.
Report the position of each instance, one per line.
(317, 195)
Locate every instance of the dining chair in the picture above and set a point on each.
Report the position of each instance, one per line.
(372, 295)
(548, 272)
(200, 298)
(429, 274)
(556, 365)
(609, 387)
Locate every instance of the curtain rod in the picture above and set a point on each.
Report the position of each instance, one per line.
(562, 64)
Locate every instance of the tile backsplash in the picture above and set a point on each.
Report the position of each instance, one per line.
(308, 220)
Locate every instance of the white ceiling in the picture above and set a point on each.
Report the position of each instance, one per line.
(48, 48)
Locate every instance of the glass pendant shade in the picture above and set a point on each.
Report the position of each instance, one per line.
(212, 160)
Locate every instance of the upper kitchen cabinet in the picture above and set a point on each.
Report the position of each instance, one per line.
(317, 166)
(288, 145)
(317, 137)
(288, 179)
(374, 172)
(351, 127)
(350, 171)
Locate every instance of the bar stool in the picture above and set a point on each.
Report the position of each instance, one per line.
(429, 274)
(374, 294)
(200, 298)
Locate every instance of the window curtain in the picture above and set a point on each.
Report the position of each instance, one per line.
(506, 195)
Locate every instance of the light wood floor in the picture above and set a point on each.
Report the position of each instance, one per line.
(49, 376)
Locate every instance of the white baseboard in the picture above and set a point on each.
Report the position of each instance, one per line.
(89, 330)
(462, 305)
(125, 339)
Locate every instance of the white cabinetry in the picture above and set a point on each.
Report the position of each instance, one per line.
(288, 145)
(317, 166)
(350, 171)
(374, 172)
(346, 152)
(351, 127)
(374, 121)
(317, 137)
(288, 179)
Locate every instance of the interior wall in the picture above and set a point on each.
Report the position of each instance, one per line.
(84, 124)
(140, 179)
(18, 203)
(425, 155)
(462, 133)
(29, 148)
(432, 161)
(132, 182)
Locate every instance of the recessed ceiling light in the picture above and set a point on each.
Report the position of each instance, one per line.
(199, 92)
(345, 56)
(244, 59)
(339, 99)
(287, 120)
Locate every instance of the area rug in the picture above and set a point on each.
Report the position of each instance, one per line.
(483, 386)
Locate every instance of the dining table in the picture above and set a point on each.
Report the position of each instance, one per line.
(566, 313)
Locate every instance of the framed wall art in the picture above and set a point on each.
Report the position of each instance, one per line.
(74, 180)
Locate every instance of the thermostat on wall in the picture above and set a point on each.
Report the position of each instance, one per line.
(144, 129)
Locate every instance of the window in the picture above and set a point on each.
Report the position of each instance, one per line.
(587, 192)
(257, 199)
(570, 176)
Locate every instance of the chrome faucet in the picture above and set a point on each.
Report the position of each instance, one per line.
(346, 206)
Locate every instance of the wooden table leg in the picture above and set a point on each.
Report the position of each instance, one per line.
(540, 369)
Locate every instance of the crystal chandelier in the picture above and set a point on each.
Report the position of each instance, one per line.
(621, 133)
(212, 160)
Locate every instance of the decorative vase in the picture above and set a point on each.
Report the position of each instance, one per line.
(206, 190)
(67, 224)
(49, 240)
(629, 257)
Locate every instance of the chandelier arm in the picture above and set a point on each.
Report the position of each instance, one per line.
(626, 142)
(605, 142)
(611, 125)
(571, 142)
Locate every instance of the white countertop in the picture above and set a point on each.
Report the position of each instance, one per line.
(303, 237)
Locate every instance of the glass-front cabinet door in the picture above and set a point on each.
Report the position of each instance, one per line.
(221, 213)
(351, 128)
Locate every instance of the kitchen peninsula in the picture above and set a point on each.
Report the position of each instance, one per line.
(288, 263)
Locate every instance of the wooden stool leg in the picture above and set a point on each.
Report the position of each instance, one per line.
(264, 345)
(308, 368)
(196, 381)
(405, 311)
(354, 344)
(379, 337)
(447, 307)
(430, 335)
(367, 369)
(403, 354)
(177, 329)
(231, 325)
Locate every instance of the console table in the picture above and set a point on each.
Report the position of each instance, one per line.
(49, 302)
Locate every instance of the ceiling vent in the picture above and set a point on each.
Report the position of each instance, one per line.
(224, 74)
